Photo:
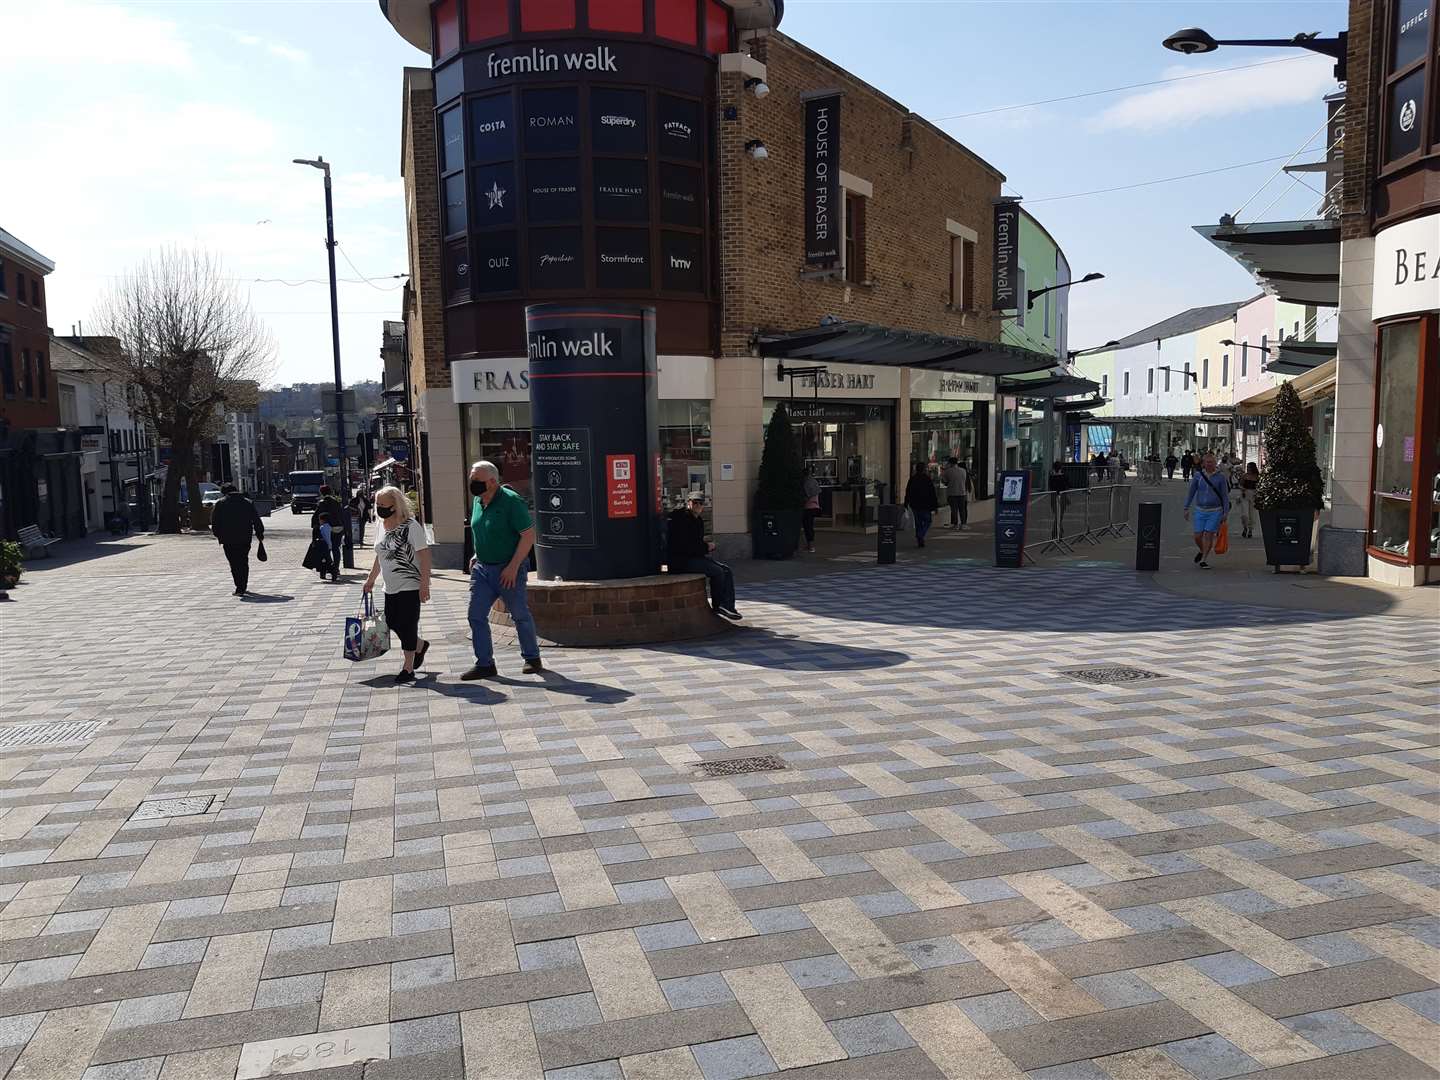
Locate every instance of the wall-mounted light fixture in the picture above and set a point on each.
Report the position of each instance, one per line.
(758, 87)
(756, 149)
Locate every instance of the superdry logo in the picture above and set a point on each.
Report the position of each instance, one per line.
(618, 121)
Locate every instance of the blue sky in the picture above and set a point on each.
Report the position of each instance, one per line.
(131, 125)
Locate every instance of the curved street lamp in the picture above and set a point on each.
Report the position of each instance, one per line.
(1192, 41)
(1033, 294)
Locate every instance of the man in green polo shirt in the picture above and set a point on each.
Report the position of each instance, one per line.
(501, 534)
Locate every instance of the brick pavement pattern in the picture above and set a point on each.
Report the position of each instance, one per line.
(971, 865)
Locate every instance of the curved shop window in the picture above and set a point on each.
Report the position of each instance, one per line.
(1405, 490)
(703, 24)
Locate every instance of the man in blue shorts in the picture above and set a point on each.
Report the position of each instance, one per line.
(1210, 495)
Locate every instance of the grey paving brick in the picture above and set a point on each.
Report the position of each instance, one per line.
(1335, 916)
(875, 1033)
(890, 992)
(562, 1013)
(732, 1059)
(484, 993)
(350, 954)
(920, 925)
(426, 1035)
(1036, 1046)
(643, 1035)
(243, 922)
(1333, 988)
(909, 1064)
(737, 952)
(596, 920)
(93, 989)
(226, 1029)
(1381, 1061)
(1136, 950)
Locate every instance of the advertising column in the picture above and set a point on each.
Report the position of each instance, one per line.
(595, 446)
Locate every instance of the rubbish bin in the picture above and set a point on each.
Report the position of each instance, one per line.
(888, 520)
(1147, 537)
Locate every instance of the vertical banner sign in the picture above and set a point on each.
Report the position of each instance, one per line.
(1007, 256)
(1010, 507)
(822, 182)
(620, 480)
(560, 459)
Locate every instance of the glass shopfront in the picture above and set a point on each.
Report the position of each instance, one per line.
(940, 430)
(1405, 493)
(850, 446)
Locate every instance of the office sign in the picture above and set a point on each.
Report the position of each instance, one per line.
(823, 194)
(1010, 506)
(1006, 278)
(561, 464)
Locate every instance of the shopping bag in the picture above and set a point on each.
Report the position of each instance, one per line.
(260, 553)
(366, 635)
(907, 519)
(1222, 538)
(316, 555)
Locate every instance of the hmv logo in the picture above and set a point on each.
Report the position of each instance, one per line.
(677, 263)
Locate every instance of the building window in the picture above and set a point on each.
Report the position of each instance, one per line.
(1104, 385)
(35, 292)
(1167, 380)
(1205, 373)
(626, 16)
(19, 287)
(1185, 379)
(1126, 384)
(1397, 443)
(7, 367)
(2, 278)
(486, 19)
(854, 238)
(42, 376)
(1406, 110)
(1021, 298)
(447, 28)
(1264, 352)
(1047, 313)
(1225, 370)
(1150, 381)
(27, 377)
(676, 20)
(1244, 359)
(962, 273)
(69, 413)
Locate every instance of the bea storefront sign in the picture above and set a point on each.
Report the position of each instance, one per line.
(1407, 268)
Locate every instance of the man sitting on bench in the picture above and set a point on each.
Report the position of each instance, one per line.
(690, 553)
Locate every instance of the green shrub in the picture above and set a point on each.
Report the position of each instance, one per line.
(1291, 478)
(12, 558)
(780, 480)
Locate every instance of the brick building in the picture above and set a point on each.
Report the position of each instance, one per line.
(664, 151)
(39, 459)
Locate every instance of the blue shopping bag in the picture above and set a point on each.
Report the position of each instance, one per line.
(366, 635)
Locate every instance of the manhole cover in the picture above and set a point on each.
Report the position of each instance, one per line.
(181, 807)
(48, 734)
(1109, 676)
(736, 766)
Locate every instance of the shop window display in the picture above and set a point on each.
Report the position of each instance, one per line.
(1395, 438)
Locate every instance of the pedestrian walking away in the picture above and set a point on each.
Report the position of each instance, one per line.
(329, 511)
(1058, 483)
(402, 560)
(688, 552)
(1245, 498)
(957, 493)
(1209, 494)
(1187, 464)
(502, 535)
(810, 489)
(921, 501)
(233, 520)
(1171, 463)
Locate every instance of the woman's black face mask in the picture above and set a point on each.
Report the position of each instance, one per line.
(385, 511)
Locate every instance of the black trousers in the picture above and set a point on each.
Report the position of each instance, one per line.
(722, 581)
(808, 518)
(402, 615)
(238, 555)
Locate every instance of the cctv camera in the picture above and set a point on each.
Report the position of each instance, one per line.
(756, 149)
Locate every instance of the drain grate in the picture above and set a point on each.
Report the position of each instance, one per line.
(184, 806)
(1111, 676)
(737, 766)
(48, 734)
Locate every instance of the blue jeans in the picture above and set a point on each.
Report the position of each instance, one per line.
(485, 589)
(922, 524)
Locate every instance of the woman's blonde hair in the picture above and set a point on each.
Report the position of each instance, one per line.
(403, 510)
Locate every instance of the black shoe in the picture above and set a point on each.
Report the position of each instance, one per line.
(1204, 565)
(238, 592)
(729, 613)
(480, 671)
(405, 677)
(533, 667)
(420, 654)
(335, 576)
(1199, 556)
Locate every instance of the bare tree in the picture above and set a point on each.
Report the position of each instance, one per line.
(191, 349)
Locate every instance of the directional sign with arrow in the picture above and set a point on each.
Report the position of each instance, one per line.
(1010, 506)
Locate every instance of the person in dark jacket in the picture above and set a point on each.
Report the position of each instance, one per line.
(329, 509)
(233, 520)
(691, 553)
(920, 498)
(1171, 464)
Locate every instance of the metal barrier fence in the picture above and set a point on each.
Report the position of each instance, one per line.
(1062, 520)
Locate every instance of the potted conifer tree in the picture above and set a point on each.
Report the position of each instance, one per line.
(1291, 489)
(776, 530)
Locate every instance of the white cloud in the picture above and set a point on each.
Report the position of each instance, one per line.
(71, 34)
(1181, 104)
(274, 48)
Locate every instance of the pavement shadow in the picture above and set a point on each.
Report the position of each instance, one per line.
(267, 598)
(755, 646)
(595, 693)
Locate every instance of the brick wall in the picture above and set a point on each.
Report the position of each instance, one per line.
(29, 333)
(428, 369)
(1365, 49)
(920, 176)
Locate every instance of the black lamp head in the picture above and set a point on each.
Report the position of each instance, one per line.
(1191, 41)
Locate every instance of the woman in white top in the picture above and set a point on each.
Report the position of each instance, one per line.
(402, 555)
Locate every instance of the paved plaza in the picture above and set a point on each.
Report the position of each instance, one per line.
(904, 823)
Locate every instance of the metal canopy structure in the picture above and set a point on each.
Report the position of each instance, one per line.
(1080, 406)
(1298, 357)
(866, 343)
(1296, 261)
(1315, 384)
(1061, 386)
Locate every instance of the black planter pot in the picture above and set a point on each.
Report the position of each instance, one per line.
(776, 534)
(1287, 535)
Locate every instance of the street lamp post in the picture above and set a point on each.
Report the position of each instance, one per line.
(1034, 294)
(1192, 41)
(1185, 375)
(348, 555)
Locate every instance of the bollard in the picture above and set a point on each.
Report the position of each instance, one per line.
(1147, 537)
(888, 519)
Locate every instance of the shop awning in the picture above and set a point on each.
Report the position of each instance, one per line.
(1296, 358)
(866, 343)
(1074, 406)
(1298, 261)
(1061, 386)
(1315, 384)
(378, 469)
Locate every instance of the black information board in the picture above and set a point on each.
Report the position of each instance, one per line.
(1147, 537)
(1011, 502)
(561, 464)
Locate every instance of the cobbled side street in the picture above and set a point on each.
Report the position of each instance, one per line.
(1056, 823)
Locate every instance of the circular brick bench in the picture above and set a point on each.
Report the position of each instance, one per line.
(625, 611)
